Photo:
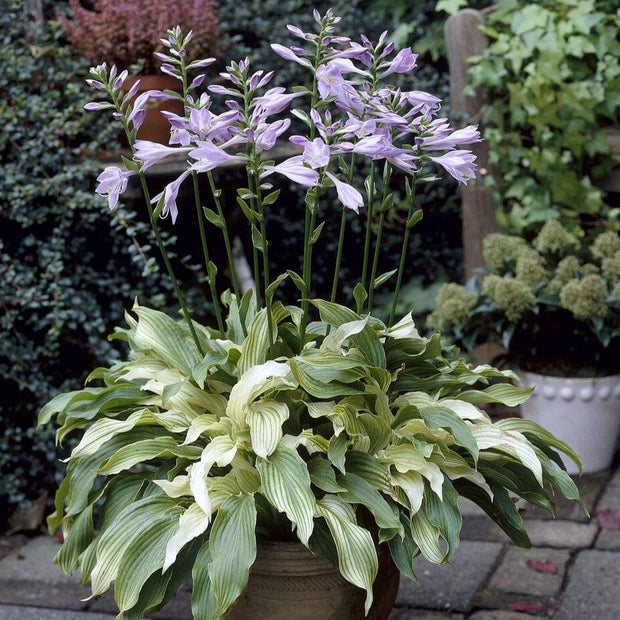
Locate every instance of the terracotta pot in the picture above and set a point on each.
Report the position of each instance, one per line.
(156, 126)
(288, 581)
(585, 413)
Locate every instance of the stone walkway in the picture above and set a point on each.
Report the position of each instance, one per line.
(572, 571)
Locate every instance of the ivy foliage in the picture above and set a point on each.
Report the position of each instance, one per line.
(552, 73)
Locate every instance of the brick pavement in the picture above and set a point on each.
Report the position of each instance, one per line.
(571, 572)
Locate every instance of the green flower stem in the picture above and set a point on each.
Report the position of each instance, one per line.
(387, 172)
(312, 206)
(205, 253)
(225, 234)
(265, 252)
(164, 254)
(369, 215)
(403, 255)
(131, 134)
(343, 223)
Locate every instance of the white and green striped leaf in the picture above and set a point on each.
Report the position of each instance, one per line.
(265, 419)
(357, 556)
(192, 523)
(286, 484)
(232, 543)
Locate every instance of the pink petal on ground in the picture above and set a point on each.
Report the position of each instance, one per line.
(525, 606)
(607, 519)
(543, 567)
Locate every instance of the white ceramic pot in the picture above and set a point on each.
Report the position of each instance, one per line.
(585, 413)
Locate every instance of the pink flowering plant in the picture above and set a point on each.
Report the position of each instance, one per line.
(305, 421)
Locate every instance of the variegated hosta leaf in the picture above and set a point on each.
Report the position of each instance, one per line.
(502, 393)
(357, 556)
(123, 541)
(405, 328)
(359, 491)
(136, 452)
(406, 458)
(313, 443)
(323, 476)
(232, 542)
(412, 485)
(455, 466)
(265, 419)
(203, 595)
(253, 383)
(163, 337)
(439, 416)
(335, 340)
(208, 424)
(178, 487)
(256, 344)
(426, 536)
(192, 523)
(513, 443)
(531, 429)
(104, 429)
(221, 451)
(286, 484)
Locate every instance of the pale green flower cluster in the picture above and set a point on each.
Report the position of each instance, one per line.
(553, 238)
(454, 304)
(500, 250)
(513, 296)
(585, 297)
(533, 282)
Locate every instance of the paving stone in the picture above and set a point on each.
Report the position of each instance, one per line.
(545, 533)
(421, 614)
(482, 528)
(450, 586)
(35, 561)
(610, 498)
(497, 614)
(592, 590)
(53, 595)
(11, 612)
(516, 576)
(608, 539)
(496, 600)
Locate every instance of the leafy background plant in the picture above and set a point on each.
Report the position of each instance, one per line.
(71, 268)
(552, 74)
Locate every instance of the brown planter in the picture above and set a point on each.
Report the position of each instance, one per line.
(156, 126)
(288, 581)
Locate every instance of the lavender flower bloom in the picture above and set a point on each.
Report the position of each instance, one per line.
(447, 138)
(112, 183)
(150, 153)
(403, 62)
(347, 194)
(274, 101)
(294, 169)
(316, 153)
(459, 164)
(288, 54)
(266, 134)
(331, 83)
(170, 194)
(209, 156)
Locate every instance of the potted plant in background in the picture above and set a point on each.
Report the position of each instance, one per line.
(303, 428)
(127, 34)
(554, 305)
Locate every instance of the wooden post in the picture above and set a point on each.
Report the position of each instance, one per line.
(464, 40)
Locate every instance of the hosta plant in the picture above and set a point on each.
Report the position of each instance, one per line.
(301, 420)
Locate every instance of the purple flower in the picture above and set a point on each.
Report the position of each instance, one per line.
(459, 164)
(170, 193)
(294, 169)
(347, 194)
(112, 183)
(288, 54)
(150, 153)
(275, 100)
(316, 153)
(208, 156)
(403, 62)
(266, 134)
(448, 139)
